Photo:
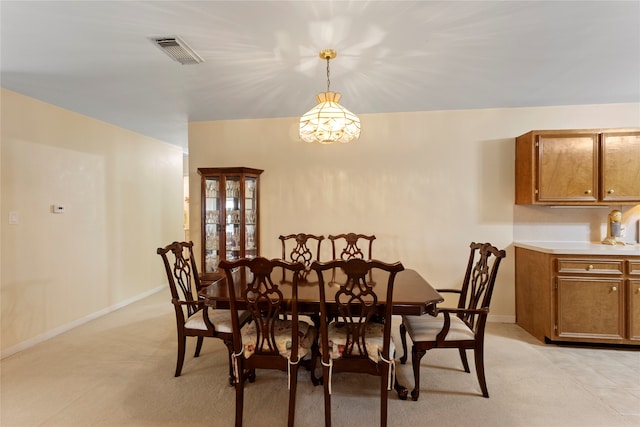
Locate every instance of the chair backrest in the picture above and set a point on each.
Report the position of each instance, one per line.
(182, 272)
(351, 249)
(480, 277)
(301, 250)
(356, 302)
(263, 299)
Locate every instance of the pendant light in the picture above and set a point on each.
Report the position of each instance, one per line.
(329, 122)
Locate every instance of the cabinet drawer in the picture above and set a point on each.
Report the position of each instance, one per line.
(590, 266)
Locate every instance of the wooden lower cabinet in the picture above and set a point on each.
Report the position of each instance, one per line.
(578, 298)
(634, 310)
(589, 309)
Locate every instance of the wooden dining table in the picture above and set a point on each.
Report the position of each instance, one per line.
(412, 294)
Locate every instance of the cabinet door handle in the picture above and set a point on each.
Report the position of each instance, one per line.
(587, 192)
(589, 267)
(613, 289)
(611, 191)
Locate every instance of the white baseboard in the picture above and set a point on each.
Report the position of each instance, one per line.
(64, 328)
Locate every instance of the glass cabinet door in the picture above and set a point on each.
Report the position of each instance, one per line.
(230, 227)
(250, 217)
(211, 228)
(233, 206)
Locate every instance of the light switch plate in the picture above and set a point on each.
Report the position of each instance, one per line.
(13, 218)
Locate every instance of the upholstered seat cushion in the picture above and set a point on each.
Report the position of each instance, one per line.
(426, 328)
(282, 332)
(337, 335)
(221, 320)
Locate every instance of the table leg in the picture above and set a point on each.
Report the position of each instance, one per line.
(400, 389)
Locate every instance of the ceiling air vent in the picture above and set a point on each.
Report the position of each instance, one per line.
(178, 50)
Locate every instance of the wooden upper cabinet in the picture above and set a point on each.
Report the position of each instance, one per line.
(578, 167)
(567, 168)
(620, 167)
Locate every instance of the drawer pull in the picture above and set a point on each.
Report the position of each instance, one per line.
(587, 191)
(611, 191)
(613, 289)
(589, 267)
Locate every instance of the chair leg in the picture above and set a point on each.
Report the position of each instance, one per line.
(198, 346)
(315, 354)
(463, 357)
(182, 343)
(416, 356)
(239, 394)
(399, 388)
(292, 395)
(478, 353)
(229, 345)
(403, 337)
(384, 394)
(327, 397)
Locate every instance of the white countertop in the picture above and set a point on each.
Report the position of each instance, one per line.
(580, 248)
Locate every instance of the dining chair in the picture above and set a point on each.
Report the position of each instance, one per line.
(275, 338)
(461, 327)
(193, 318)
(301, 250)
(351, 249)
(353, 342)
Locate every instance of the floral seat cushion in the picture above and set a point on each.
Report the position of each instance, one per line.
(282, 332)
(337, 334)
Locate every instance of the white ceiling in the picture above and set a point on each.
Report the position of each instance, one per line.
(261, 57)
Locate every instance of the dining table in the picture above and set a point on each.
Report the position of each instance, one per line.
(412, 293)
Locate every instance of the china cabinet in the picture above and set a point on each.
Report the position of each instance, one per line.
(578, 167)
(230, 216)
(578, 297)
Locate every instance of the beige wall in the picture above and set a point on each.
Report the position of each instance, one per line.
(123, 194)
(425, 183)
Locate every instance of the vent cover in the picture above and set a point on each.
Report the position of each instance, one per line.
(178, 50)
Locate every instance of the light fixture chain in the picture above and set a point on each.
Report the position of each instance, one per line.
(328, 80)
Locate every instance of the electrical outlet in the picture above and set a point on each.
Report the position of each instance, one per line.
(13, 218)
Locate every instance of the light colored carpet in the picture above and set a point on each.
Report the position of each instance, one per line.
(118, 371)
